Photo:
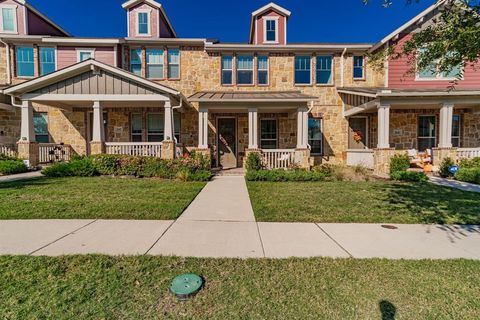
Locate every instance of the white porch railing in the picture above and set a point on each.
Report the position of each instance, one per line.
(278, 158)
(8, 150)
(146, 149)
(51, 152)
(360, 157)
(468, 153)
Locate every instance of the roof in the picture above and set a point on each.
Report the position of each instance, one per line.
(288, 47)
(131, 3)
(250, 96)
(270, 6)
(376, 92)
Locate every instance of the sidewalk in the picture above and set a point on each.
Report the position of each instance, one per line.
(465, 186)
(20, 176)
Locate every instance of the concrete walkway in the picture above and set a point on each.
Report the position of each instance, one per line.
(465, 186)
(21, 176)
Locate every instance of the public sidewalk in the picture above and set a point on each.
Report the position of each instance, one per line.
(21, 176)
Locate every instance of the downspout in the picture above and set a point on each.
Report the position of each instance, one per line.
(173, 121)
(7, 48)
(342, 67)
(15, 104)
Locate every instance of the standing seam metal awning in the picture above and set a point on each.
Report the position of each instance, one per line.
(251, 96)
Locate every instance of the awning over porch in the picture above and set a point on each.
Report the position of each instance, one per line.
(251, 96)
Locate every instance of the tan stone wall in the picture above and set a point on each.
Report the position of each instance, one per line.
(118, 129)
(69, 127)
(10, 122)
(471, 130)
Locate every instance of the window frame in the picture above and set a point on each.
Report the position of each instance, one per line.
(85, 50)
(139, 63)
(15, 20)
(434, 137)
(364, 68)
(459, 137)
(147, 64)
(170, 64)
(17, 62)
(320, 119)
(332, 73)
(141, 134)
(40, 59)
(47, 135)
(276, 133)
(267, 70)
(295, 70)
(438, 75)
(147, 129)
(137, 24)
(237, 69)
(230, 70)
(265, 23)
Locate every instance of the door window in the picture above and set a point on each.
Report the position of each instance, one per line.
(426, 132)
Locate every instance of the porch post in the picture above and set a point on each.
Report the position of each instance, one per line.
(253, 128)
(203, 129)
(302, 128)
(446, 123)
(168, 144)
(27, 146)
(98, 135)
(383, 126)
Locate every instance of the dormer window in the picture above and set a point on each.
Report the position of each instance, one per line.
(8, 21)
(143, 23)
(271, 29)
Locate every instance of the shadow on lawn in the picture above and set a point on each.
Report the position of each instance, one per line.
(431, 204)
(40, 181)
(388, 310)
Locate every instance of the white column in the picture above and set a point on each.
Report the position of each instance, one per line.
(168, 122)
(203, 129)
(446, 123)
(98, 127)
(383, 126)
(302, 128)
(252, 128)
(27, 129)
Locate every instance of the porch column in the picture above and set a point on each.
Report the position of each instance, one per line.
(98, 135)
(383, 126)
(446, 123)
(168, 144)
(302, 128)
(27, 146)
(203, 129)
(253, 128)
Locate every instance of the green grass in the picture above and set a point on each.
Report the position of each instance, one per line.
(363, 202)
(96, 198)
(98, 287)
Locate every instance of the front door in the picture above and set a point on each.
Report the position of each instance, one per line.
(358, 131)
(227, 146)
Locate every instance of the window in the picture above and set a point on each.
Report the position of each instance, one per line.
(262, 66)
(302, 70)
(85, 54)
(245, 70)
(268, 134)
(358, 67)
(40, 125)
(155, 127)
(324, 69)
(154, 63)
(271, 30)
(177, 123)
(136, 127)
(9, 19)
(173, 63)
(136, 61)
(432, 72)
(315, 139)
(426, 132)
(227, 70)
(25, 62)
(456, 131)
(143, 25)
(47, 61)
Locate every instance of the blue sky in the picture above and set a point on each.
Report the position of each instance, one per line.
(229, 21)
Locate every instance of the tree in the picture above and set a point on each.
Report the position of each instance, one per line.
(450, 41)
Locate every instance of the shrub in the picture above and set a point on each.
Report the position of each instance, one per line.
(399, 162)
(11, 166)
(83, 167)
(471, 175)
(130, 166)
(60, 169)
(444, 166)
(470, 163)
(284, 175)
(411, 176)
(6, 157)
(254, 162)
(106, 164)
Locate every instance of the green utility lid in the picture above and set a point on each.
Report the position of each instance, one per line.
(186, 285)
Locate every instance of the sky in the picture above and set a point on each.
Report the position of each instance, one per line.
(229, 21)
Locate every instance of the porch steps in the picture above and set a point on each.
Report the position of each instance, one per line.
(238, 172)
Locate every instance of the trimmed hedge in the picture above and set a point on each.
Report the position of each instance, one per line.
(444, 166)
(12, 166)
(470, 163)
(284, 175)
(399, 162)
(471, 175)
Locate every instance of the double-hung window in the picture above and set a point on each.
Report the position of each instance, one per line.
(432, 72)
(25, 62)
(136, 61)
(244, 69)
(143, 23)
(47, 61)
(154, 63)
(9, 19)
(173, 63)
(227, 70)
(315, 137)
(426, 132)
(40, 126)
(155, 127)
(358, 67)
(136, 127)
(268, 134)
(324, 70)
(456, 131)
(303, 70)
(271, 27)
(262, 70)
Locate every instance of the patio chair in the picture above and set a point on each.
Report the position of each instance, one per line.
(414, 157)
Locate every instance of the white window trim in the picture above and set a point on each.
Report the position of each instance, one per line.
(277, 135)
(179, 63)
(364, 68)
(15, 22)
(459, 137)
(332, 71)
(137, 24)
(268, 70)
(427, 137)
(311, 69)
(231, 70)
(253, 70)
(40, 60)
(130, 58)
(84, 50)
(16, 62)
(438, 77)
(153, 64)
(265, 19)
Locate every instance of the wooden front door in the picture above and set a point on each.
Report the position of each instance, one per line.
(358, 132)
(227, 142)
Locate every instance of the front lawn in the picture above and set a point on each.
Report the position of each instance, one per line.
(363, 202)
(98, 287)
(96, 198)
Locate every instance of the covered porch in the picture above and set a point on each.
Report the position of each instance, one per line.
(275, 124)
(428, 125)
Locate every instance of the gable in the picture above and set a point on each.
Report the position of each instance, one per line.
(258, 28)
(159, 24)
(39, 26)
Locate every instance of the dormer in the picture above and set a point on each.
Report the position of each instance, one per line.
(147, 19)
(17, 17)
(269, 25)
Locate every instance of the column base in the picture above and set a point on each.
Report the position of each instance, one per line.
(302, 158)
(381, 161)
(168, 149)
(439, 154)
(97, 147)
(29, 151)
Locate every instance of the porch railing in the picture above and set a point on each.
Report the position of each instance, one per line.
(8, 150)
(278, 158)
(360, 157)
(146, 149)
(51, 152)
(468, 153)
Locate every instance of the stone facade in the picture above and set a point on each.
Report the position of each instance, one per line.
(28, 151)
(9, 126)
